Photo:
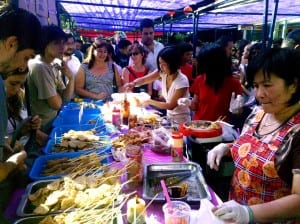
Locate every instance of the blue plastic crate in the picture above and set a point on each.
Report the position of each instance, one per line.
(40, 162)
(48, 149)
(57, 132)
(72, 120)
(68, 111)
(76, 105)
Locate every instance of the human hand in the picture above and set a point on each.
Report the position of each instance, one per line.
(145, 103)
(236, 103)
(66, 71)
(100, 96)
(215, 155)
(18, 159)
(129, 86)
(33, 123)
(18, 147)
(231, 211)
(184, 102)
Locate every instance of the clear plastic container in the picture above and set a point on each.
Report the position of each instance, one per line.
(179, 212)
(134, 164)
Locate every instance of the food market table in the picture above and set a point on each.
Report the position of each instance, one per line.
(154, 209)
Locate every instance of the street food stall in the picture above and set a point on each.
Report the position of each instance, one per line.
(95, 172)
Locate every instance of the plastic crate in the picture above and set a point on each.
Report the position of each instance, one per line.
(57, 132)
(40, 162)
(75, 112)
(72, 119)
(48, 149)
(76, 105)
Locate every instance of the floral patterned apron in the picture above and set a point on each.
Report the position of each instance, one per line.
(255, 179)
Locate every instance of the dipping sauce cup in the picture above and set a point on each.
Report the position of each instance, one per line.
(179, 213)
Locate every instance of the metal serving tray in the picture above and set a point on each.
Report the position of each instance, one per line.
(197, 187)
(29, 220)
(37, 219)
(25, 207)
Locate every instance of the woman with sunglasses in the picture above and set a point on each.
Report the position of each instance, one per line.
(95, 78)
(138, 69)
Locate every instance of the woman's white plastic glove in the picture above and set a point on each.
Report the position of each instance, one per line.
(184, 102)
(215, 155)
(231, 211)
(236, 104)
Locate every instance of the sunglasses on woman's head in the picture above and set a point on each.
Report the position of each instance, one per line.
(134, 53)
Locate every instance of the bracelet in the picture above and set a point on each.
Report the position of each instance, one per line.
(251, 215)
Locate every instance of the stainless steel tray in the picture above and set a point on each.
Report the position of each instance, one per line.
(37, 219)
(29, 220)
(197, 187)
(25, 207)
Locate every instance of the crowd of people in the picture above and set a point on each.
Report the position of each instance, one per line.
(54, 68)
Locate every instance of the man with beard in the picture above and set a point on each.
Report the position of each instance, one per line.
(69, 57)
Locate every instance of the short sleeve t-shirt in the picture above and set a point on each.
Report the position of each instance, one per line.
(212, 105)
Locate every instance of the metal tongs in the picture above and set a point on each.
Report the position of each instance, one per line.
(170, 179)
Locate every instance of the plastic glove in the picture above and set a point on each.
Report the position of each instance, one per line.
(236, 104)
(215, 155)
(184, 102)
(232, 211)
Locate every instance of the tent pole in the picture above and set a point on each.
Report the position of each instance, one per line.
(265, 23)
(274, 14)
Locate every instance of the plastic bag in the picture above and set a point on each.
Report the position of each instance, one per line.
(161, 140)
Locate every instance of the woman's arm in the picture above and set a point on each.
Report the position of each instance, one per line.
(125, 75)
(149, 89)
(179, 93)
(143, 80)
(194, 103)
(118, 77)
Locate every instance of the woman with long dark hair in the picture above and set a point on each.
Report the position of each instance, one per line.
(215, 84)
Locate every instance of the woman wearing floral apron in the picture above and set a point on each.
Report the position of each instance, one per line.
(265, 185)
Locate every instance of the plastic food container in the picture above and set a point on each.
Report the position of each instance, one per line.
(39, 165)
(71, 120)
(51, 147)
(57, 132)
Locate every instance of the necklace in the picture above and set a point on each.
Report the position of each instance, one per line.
(272, 131)
(267, 123)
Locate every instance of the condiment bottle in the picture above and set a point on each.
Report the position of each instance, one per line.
(125, 111)
(177, 146)
(136, 210)
(116, 117)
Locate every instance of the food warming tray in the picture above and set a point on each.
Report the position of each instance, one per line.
(197, 187)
